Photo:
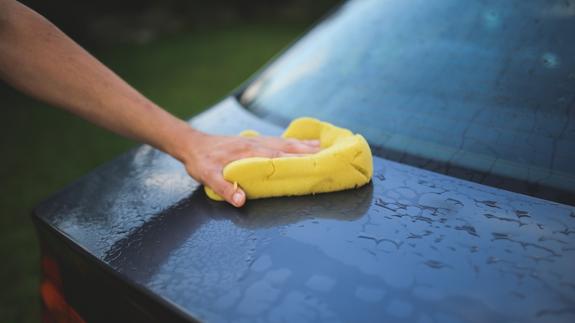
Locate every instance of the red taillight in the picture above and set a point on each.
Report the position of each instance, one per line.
(55, 309)
(50, 271)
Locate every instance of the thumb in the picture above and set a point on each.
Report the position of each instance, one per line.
(228, 191)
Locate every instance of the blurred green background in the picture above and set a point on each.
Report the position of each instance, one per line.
(185, 55)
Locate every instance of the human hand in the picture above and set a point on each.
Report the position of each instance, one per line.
(30, 46)
(207, 155)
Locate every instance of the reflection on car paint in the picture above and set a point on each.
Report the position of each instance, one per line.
(411, 246)
(479, 90)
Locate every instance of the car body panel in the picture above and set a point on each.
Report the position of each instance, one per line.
(481, 90)
(412, 245)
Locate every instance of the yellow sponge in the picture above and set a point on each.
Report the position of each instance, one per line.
(344, 162)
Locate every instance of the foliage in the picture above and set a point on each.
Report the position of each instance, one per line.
(42, 148)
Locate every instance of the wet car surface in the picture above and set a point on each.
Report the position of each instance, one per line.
(412, 246)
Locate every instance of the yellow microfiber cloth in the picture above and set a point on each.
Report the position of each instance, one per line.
(344, 162)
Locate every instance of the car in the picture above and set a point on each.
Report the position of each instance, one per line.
(469, 108)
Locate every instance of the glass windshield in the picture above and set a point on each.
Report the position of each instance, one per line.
(483, 90)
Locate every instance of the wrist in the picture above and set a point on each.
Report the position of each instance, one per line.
(182, 145)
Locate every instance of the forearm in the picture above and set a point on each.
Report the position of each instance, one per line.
(37, 58)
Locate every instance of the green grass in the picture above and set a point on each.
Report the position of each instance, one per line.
(42, 149)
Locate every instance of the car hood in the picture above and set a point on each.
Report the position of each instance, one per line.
(411, 245)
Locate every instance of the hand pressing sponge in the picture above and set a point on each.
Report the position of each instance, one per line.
(344, 162)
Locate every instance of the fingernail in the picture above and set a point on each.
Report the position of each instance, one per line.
(237, 198)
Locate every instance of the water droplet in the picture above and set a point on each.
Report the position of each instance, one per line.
(435, 264)
(550, 60)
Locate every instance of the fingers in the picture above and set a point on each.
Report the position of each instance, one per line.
(230, 192)
(292, 146)
(282, 154)
(270, 147)
(253, 152)
(273, 153)
(314, 142)
(211, 154)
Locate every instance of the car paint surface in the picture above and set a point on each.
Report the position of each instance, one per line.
(413, 245)
(481, 89)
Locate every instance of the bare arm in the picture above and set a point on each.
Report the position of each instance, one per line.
(37, 58)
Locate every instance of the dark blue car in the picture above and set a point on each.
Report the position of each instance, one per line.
(469, 107)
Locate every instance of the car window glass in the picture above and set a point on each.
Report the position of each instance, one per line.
(483, 90)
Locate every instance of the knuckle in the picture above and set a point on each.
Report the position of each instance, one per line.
(265, 152)
(213, 175)
(205, 174)
(245, 146)
(293, 146)
(269, 153)
(220, 189)
(290, 144)
(228, 189)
